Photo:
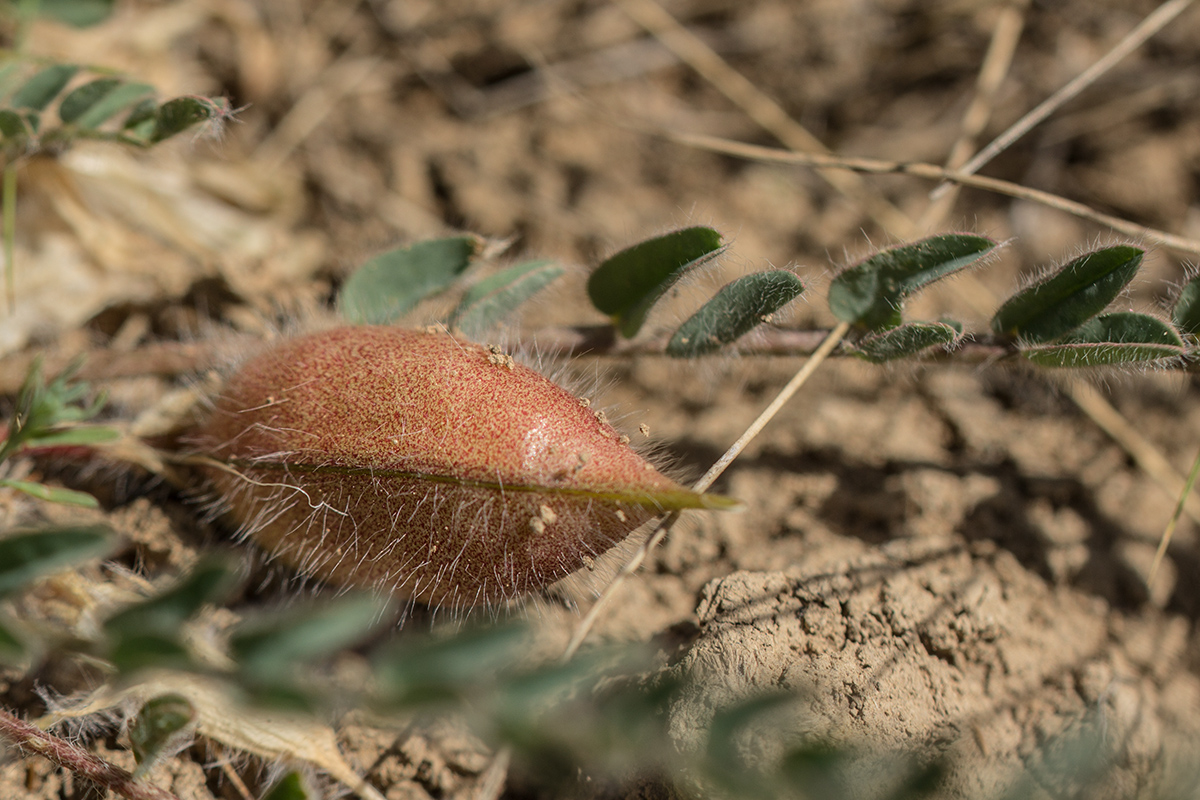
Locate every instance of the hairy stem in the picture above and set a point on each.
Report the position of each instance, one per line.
(31, 739)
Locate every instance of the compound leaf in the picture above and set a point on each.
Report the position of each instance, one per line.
(1060, 303)
(391, 284)
(626, 285)
(733, 312)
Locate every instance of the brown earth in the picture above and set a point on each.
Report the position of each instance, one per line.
(946, 563)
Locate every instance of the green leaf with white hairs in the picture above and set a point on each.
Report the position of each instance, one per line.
(734, 311)
(391, 284)
(906, 341)
(28, 555)
(53, 494)
(159, 727)
(1111, 339)
(272, 645)
(177, 115)
(1186, 312)
(870, 293)
(626, 285)
(495, 298)
(1061, 302)
(293, 786)
(37, 92)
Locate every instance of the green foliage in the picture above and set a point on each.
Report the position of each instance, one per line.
(1186, 311)
(148, 634)
(105, 108)
(489, 302)
(1110, 339)
(1064, 300)
(390, 285)
(291, 786)
(734, 311)
(870, 294)
(160, 725)
(906, 341)
(79, 13)
(28, 555)
(626, 285)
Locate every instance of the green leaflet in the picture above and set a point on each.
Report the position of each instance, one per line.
(44, 86)
(390, 285)
(28, 555)
(733, 312)
(626, 285)
(53, 494)
(493, 299)
(157, 728)
(1186, 312)
(906, 341)
(1110, 339)
(1056, 305)
(870, 293)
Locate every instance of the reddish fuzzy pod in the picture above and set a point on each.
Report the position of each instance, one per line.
(432, 467)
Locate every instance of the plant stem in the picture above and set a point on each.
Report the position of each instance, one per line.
(664, 527)
(1170, 529)
(32, 739)
(10, 234)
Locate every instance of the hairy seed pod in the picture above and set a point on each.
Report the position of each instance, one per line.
(431, 467)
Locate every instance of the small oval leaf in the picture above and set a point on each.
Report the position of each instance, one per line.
(391, 284)
(1060, 303)
(906, 341)
(12, 126)
(28, 555)
(158, 728)
(1186, 313)
(626, 285)
(80, 100)
(121, 97)
(492, 300)
(274, 644)
(871, 292)
(44, 86)
(733, 312)
(1121, 338)
(164, 614)
(177, 115)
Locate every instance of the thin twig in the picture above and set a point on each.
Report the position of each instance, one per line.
(33, 740)
(1169, 531)
(876, 166)
(1149, 26)
(760, 107)
(702, 485)
(992, 72)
